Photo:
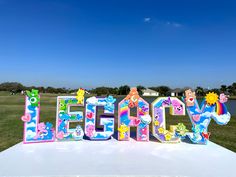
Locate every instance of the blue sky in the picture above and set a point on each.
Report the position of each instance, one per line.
(115, 42)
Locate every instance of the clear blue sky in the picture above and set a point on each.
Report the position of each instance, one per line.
(115, 42)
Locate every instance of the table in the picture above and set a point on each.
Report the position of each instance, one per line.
(117, 158)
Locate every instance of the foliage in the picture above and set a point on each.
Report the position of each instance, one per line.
(140, 89)
(15, 87)
(163, 90)
(124, 90)
(105, 91)
(199, 91)
(11, 86)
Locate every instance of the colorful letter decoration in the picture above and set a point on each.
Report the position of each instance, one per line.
(107, 119)
(212, 108)
(159, 131)
(142, 120)
(33, 130)
(65, 117)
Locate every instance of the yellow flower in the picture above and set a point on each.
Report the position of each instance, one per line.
(168, 137)
(156, 123)
(161, 130)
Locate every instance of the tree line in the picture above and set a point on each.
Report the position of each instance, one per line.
(15, 87)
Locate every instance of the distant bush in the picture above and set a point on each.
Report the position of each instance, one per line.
(11, 87)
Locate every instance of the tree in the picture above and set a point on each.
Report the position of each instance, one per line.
(114, 91)
(100, 91)
(163, 90)
(12, 87)
(105, 91)
(50, 90)
(41, 89)
(215, 90)
(124, 90)
(140, 89)
(199, 91)
(223, 88)
(230, 90)
(234, 88)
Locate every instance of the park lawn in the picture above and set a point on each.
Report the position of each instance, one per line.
(11, 126)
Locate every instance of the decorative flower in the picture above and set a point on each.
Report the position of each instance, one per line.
(33, 97)
(156, 123)
(161, 130)
(168, 136)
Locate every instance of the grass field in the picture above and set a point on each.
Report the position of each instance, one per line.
(11, 126)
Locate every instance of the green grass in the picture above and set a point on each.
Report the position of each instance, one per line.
(11, 126)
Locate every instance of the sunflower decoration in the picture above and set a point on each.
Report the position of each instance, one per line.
(211, 98)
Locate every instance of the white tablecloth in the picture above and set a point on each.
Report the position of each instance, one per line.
(115, 158)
